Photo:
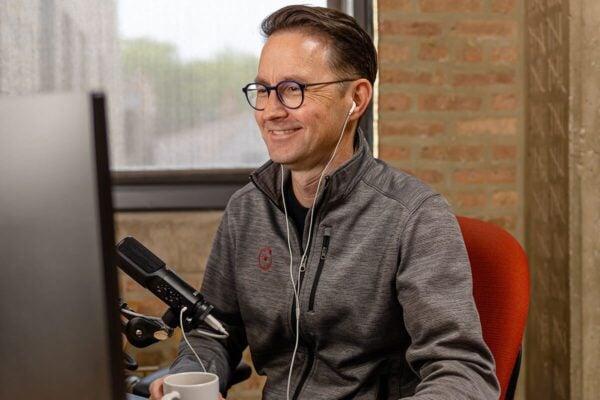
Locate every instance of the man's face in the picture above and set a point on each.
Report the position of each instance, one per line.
(302, 139)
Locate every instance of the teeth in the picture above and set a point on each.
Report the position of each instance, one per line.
(283, 132)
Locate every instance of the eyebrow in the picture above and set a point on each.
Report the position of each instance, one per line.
(285, 78)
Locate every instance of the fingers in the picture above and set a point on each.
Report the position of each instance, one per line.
(156, 388)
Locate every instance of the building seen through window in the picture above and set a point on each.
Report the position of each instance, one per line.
(172, 71)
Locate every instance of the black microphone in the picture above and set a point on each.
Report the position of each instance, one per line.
(152, 273)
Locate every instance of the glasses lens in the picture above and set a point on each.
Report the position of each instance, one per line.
(257, 95)
(290, 93)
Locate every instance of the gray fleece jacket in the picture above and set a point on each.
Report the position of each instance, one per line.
(386, 306)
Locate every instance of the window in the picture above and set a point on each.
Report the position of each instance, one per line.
(183, 66)
(182, 135)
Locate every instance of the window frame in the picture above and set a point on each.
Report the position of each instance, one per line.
(209, 189)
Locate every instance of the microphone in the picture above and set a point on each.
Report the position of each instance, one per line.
(152, 273)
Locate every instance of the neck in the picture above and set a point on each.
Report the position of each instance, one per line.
(305, 182)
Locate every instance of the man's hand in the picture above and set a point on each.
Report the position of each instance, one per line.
(156, 389)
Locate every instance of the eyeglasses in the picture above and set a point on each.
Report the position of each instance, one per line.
(290, 93)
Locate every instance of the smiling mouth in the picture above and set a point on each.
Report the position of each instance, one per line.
(279, 132)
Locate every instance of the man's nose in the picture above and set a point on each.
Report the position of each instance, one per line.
(274, 108)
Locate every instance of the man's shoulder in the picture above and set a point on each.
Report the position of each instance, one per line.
(247, 201)
(398, 185)
(247, 191)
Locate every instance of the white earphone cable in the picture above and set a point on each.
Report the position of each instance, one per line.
(296, 291)
(295, 287)
(184, 309)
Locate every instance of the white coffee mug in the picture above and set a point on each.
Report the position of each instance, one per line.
(191, 386)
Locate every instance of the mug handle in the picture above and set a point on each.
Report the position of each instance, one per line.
(171, 396)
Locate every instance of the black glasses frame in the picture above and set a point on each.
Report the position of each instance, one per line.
(302, 86)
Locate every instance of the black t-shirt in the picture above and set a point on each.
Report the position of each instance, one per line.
(296, 211)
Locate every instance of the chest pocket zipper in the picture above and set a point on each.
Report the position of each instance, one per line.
(322, 257)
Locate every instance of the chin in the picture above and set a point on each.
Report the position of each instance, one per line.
(287, 162)
(279, 158)
(283, 161)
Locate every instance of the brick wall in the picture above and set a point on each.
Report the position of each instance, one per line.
(183, 240)
(450, 101)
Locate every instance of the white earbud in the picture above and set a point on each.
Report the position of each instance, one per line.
(352, 108)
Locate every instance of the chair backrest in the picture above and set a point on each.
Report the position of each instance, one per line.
(501, 291)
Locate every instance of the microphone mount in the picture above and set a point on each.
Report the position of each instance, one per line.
(143, 330)
(186, 306)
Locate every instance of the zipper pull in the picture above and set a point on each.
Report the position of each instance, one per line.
(303, 266)
(323, 252)
(325, 247)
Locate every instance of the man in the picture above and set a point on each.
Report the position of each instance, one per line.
(365, 263)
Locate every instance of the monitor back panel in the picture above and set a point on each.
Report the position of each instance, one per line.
(58, 328)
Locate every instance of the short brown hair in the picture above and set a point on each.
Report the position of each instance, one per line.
(352, 50)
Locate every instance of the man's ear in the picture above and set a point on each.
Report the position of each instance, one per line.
(362, 91)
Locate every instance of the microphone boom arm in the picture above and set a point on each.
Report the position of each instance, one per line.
(153, 274)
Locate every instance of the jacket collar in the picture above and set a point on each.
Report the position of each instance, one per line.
(336, 185)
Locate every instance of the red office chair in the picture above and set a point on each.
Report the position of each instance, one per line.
(501, 292)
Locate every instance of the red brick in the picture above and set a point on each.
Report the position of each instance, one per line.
(394, 5)
(453, 153)
(504, 101)
(458, 6)
(411, 128)
(147, 304)
(394, 27)
(504, 152)
(481, 79)
(505, 199)
(430, 176)
(505, 55)
(507, 222)
(395, 101)
(471, 54)
(471, 199)
(449, 102)
(128, 285)
(504, 6)
(494, 126)
(391, 152)
(394, 52)
(194, 279)
(486, 28)
(479, 176)
(433, 52)
(404, 76)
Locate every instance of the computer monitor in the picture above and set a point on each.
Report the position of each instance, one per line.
(59, 323)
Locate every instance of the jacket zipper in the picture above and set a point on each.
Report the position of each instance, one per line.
(301, 271)
(311, 352)
(310, 360)
(323, 256)
(305, 373)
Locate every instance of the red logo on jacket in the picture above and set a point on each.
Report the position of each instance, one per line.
(265, 258)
